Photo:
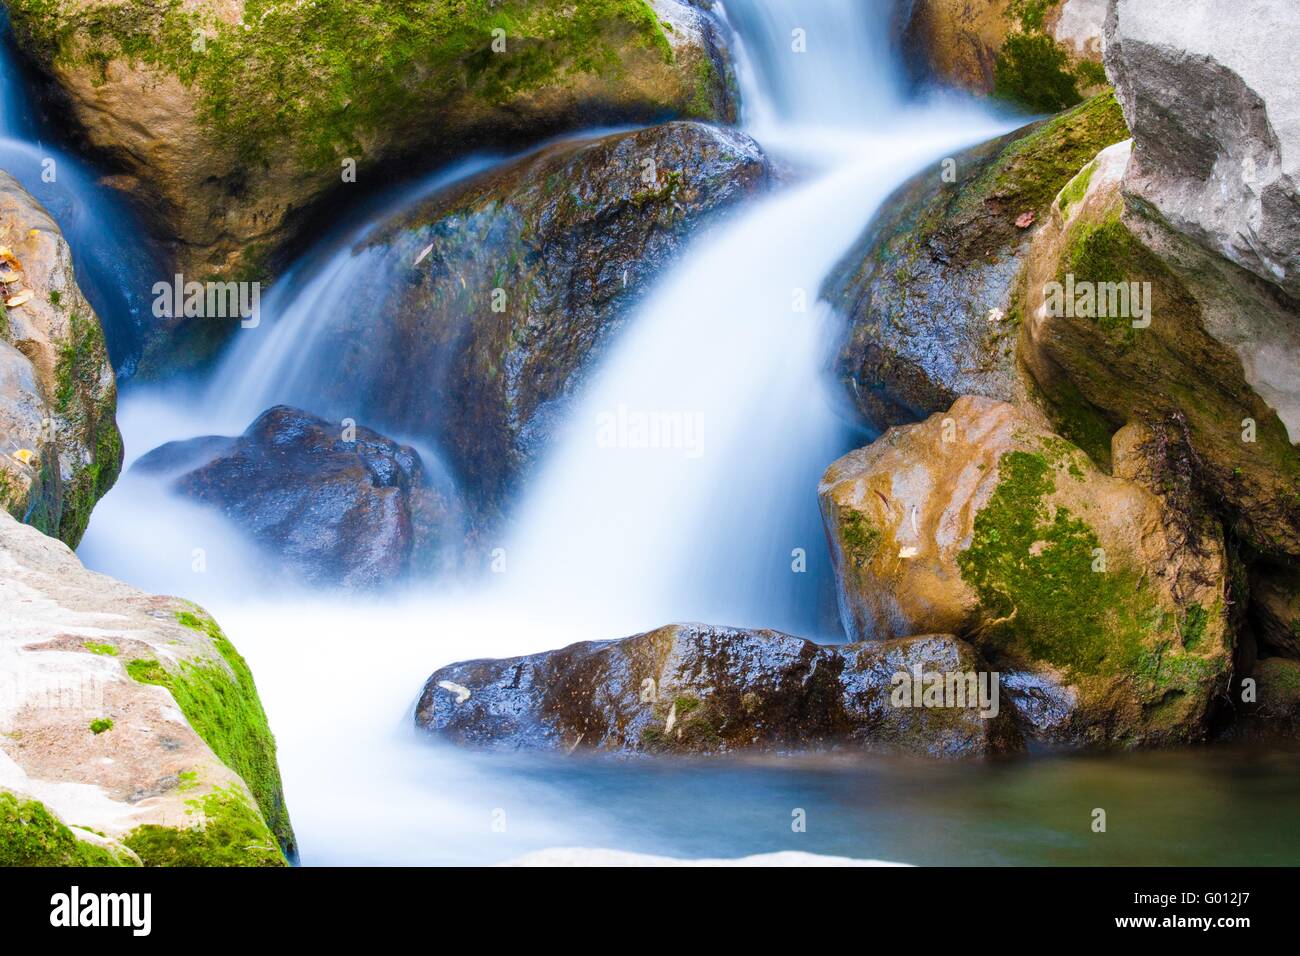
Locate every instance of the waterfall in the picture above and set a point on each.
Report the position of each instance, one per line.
(682, 484)
(115, 265)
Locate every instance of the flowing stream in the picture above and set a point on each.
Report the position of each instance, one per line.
(606, 541)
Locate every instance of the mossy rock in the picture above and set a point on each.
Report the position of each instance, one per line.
(177, 747)
(928, 292)
(1173, 367)
(253, 109)
(60, 449)
(994, 529)
(30, 835)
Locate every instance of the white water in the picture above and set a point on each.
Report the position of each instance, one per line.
(609, 540)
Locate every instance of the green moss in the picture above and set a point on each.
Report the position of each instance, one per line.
(1103, 252)
(1032, 567)
(320, 78)
(55, 297)
(1033, 71)
(860, 537)
(1076, 188)
(227, 713)
(231, 834)
(1033, 167)
(1090, 73)
(1194, 624)
(32, 836)
(106, 649)
(99, 725)
(685, 705)
(1030, 14)
(80, 362)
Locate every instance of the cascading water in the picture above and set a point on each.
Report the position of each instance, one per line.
(610, 537)
(113, 264)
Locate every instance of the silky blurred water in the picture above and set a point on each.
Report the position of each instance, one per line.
(607, 543)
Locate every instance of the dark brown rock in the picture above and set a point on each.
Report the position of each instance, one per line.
(699, 689)
(498, 293)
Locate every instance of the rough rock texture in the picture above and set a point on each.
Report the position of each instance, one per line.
(496, 294)
(355, 509)
(1275, 608)
(927, 291)
(1212, 100)
(981, 524)
(228, 118)
(699, 689)
(60, 450)
(1040, 54)
(1183, 373)
(1275, 710)
(126, 714)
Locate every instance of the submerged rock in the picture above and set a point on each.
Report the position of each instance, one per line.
(982, 524)
(699, 689)
(497, 293)
(130, 728)
(60, 450)
(928, 291)
(335, 505)
(229, 120)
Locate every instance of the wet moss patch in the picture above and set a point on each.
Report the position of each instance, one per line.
(32, 836)
(319, 78)
(231, 834)
(226, 712)
(1031, 563)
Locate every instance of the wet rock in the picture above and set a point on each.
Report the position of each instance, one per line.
(498, 293)
(356, 509)
(60, 450)
(1216, 125)
(982, 524)
(228, 145)
(699, 689)
(928, 291)
(130, 727)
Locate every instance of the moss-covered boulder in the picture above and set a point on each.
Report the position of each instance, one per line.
(229, 120)
(700, 689)
(928, 291)
(30, 835)
(1041, 55)
(983, 524)
(499, 292)
(1127, 320)
(127, 720)
(60, 450)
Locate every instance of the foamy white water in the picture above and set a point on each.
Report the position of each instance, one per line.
(611, 537)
